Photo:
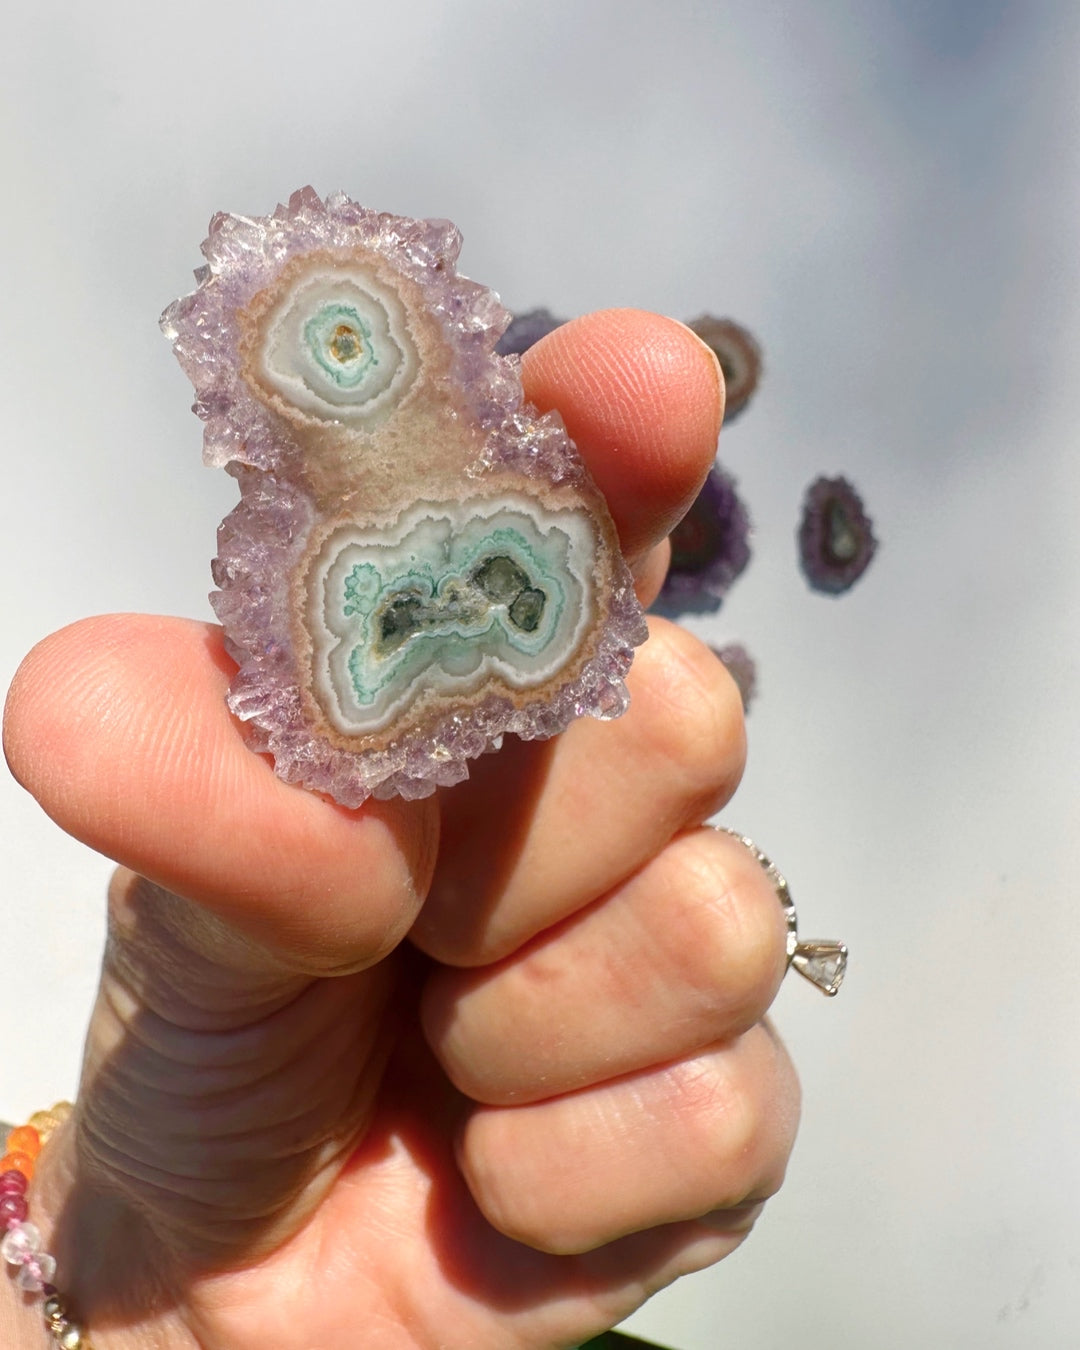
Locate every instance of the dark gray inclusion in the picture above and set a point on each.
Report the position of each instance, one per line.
(499, 581)
(527, 610)
(504, 582)
(402, 617)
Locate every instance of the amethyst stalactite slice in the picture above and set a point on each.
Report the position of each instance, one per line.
(742, 668)
(710, 548)
(740, 359)
(836, 536)
(419, 562)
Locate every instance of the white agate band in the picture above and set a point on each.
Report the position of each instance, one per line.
(337, 347)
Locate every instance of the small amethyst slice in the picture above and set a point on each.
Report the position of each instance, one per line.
(525, 330)
(740, 359)
(710, 547)
(836, 537)
(419, 562)
(742, 668)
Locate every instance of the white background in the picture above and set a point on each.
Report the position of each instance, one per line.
(885, 191)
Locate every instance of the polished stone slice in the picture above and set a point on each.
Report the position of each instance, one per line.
(419, 562)
(836, 536)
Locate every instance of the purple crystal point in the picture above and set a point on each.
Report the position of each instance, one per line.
(419, 563)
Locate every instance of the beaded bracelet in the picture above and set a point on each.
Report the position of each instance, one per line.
(21, 1244)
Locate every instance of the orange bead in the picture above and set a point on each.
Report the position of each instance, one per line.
(26, 1140)
(18, 1162)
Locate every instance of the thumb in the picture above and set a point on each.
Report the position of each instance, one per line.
(218, 1102)
(223, 1086)
(118, 726)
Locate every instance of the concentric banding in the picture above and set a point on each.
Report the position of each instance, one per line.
(336, 346)
(451, 595)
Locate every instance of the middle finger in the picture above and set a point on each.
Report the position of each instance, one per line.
(543, 829)
(688, 953)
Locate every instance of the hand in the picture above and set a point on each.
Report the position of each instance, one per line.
(479, 1072)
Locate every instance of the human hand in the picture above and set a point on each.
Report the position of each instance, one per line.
(479, 1072)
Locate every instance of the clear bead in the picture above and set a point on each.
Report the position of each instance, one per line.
(38, 1269)
(19, 1243)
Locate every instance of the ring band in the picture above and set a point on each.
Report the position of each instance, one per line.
(821, 961)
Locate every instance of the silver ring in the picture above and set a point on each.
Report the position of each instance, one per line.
(823, 961)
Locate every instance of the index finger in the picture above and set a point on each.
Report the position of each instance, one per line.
(643, 397)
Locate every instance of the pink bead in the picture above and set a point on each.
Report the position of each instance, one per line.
(13, 1209)
(12, 1183)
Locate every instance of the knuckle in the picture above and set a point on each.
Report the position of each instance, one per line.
(740, 1116)
(511, 1206)
(725, 929)
(723, 1132)
(717, 1114)
(695, 719)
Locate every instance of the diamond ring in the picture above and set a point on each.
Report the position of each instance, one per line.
(823, 961)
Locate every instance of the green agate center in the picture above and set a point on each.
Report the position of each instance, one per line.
(450, 595)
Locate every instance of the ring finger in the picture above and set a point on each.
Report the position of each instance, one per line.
(707, 1133)
(689, 952)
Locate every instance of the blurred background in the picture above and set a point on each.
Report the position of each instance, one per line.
(886, 193)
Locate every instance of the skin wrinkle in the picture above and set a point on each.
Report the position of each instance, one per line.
(235, 1066)
(307, 1032)
(149, 931)
(218, 1171)
(221, 1114)
(208, 1219)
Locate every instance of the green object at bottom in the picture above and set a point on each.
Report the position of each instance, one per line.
(615, 1340)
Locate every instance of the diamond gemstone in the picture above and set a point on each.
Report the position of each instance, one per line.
(822, 963)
